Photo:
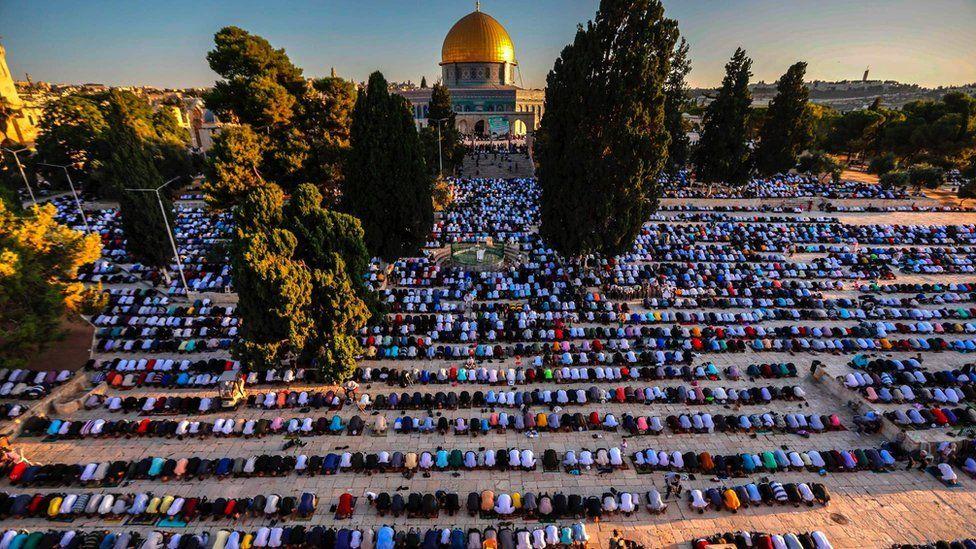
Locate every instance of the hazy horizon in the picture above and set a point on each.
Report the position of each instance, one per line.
(164, 45)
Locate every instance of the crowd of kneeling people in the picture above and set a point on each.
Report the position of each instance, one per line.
(22, 473)
(556, 506)
(297, 536)
(762, 540)
(143, 505)
(527, 421)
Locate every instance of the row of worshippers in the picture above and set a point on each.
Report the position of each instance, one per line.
(968, 543)
(593, 395)
(913, 386)
(871, 459)
(181, 372)
(17, 383)
(762, 540)
(643, 325)
(297, 536)
(920, 288)
(520, 375)
(732, 498)
(111, 472)
(634, 424)
(931, 418)
(528, 506)
(144, 505)
(700, 423)
(669, 350)
(332, 399)
(783, 186)
(170, 428)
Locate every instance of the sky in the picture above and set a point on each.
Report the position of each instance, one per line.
(146, 42)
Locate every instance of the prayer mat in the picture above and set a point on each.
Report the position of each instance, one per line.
(934, 471)
(63, 519)
(171, 523)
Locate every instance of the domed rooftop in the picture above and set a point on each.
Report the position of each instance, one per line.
(478, 38)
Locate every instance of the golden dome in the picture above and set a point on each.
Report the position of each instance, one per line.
(478, 38)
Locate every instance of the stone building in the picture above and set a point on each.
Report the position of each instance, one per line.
(21, 121)
(479, 67)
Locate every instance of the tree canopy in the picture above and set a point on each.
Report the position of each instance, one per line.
(274, 288)
(387, 185)
(722, 155)
(129, 165)
(74, 132)
(300, 275)
(820, 164)
(603, 140)
(304, 125)
(788, 126)
(39, 262)
(232, 166)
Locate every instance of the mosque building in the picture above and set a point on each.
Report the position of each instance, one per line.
(479, 68)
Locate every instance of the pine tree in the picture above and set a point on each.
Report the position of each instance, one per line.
(788, 128)
(423, 82)
(722, 155)
(274, 288)
(387, 185)
(675, 103)
(233, 166)
(325, 121)
(603, 141)
(129, 165)
(306, 124)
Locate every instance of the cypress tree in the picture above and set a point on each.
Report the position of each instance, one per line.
(129, 164)
(387, 185)
(603, 142)
(675, 102)
(788, 128)
(324, 233)
(274, 288)
(331, 245)
(449, 150)
(722, 155)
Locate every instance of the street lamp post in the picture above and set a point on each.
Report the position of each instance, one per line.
(440, 154)
(67, 174)
(169, 231)
(22, 174)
